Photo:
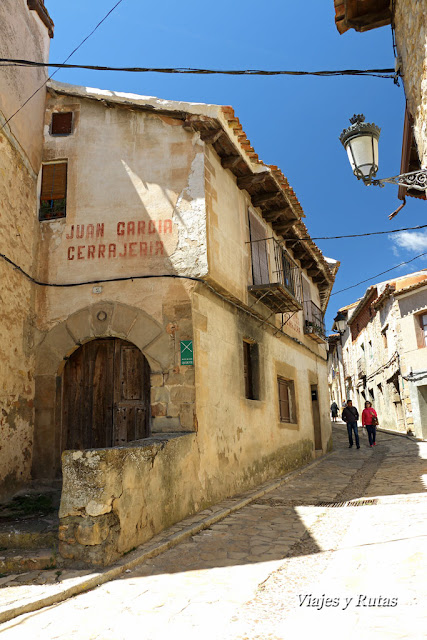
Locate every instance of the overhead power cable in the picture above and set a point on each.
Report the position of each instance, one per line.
(377, 73)
(351, 235)
(420, 255)
(59, 66)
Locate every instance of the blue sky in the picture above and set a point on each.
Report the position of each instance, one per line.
(291, 122)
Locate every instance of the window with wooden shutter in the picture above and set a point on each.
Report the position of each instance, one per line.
(286, 400)
(259, 252)
(247, 370)
(251, 370)
(61, 124)
(54, 191)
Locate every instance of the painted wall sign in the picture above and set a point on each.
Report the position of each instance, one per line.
(139, 234)
(187, 357)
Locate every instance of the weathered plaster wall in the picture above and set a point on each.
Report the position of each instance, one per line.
(22, 35)
(243, 428)
(135, 207)
(411, 40)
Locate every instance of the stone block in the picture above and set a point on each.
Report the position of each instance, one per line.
(158, 409)
(91, 532)
(60, 340)
(182, 394)
(45, 391)
(189, 376)
(156, 380)
(48, 361)
(79, 325)
(123, 319)
(174, 377)
(159, 394)
(165, 425)
(101, 317)
(161, 350)
(144, 331)
(173, 410)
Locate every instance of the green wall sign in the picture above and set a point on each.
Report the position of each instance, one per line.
(187, 352)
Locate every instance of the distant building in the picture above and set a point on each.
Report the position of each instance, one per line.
(382, 355)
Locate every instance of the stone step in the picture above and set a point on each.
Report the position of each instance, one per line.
(18, 560)
(22, 537)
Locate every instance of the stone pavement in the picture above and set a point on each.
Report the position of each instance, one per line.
(264, 571)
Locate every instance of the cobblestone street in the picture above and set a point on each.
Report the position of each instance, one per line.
(297, 559)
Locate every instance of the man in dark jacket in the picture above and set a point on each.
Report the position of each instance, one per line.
(350, 415)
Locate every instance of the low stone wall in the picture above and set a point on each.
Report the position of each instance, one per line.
(116, 499)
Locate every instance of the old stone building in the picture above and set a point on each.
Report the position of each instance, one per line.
(25, 32)
(189, 324)
(163, 317)
(408, 20)
(383, 354)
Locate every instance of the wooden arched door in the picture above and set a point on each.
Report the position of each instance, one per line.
(105, 395)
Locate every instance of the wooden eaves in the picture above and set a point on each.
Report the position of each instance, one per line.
(266, 185)
(362, 15)
(42, 12)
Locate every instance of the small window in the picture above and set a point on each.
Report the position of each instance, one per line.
(423, 323)
(385, 340)
(251, 370)
(54, 191)
(286, 400)
(61, 124)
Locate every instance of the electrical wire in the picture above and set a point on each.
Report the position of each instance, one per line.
(420, 255)
(377, 73)
(59, 66)
(167, 275)
(352, 235)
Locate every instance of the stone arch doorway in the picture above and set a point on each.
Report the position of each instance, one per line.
(105, 395)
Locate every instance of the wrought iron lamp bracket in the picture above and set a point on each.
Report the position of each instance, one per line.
(412, 180)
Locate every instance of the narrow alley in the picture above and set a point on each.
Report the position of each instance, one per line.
(339, 548)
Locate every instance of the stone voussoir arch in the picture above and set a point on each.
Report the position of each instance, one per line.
(103, 320)
(106, 319)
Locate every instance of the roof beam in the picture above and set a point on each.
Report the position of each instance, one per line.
(254, 178)
(211, 135)
(263, 198)
(228, 162)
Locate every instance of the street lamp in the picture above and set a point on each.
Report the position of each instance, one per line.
(340, 321)
(360, 141)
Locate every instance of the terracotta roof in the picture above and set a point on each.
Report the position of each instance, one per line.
(388, 291)
(368, 295)
(411, 287)
(349, 306)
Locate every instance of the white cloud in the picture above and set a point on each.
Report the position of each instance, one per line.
(410, 240)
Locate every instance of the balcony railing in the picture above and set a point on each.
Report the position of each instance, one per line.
(314, 325)
(282, 291)
(361, 367)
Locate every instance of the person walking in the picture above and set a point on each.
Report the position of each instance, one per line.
(334, 411)
(370, 421)
(350, 415)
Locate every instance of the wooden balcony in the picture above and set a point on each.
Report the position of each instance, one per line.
(314, 326)
(280, 292)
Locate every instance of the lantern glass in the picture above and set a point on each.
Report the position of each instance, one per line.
(341, 325)
(360, 140)
(362, 152)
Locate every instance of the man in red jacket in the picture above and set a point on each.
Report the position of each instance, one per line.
(350, 415)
